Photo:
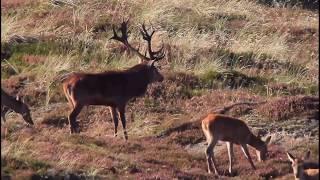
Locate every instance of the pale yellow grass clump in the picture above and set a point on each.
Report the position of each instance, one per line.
(48, 73)
(165, 10)
(9, 27)
(249, 40)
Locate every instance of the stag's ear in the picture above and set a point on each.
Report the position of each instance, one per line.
(151, 63)
(290, 157)
(307, 155)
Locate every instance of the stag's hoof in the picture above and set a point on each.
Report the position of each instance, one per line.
(71, 131)
(74, 130)
(77, 130)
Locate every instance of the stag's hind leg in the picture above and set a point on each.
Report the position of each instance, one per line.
(74, 127)
(123, 120)
(115, 119)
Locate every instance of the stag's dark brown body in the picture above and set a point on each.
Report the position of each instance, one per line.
(113, 88)
(109, 88)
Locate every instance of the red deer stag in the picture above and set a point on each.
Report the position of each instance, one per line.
(303, 170)
(234, 131)
(8, 102)
(113, 88)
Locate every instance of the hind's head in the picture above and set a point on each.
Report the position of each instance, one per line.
(297, 164)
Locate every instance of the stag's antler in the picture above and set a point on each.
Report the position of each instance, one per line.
(153, 55)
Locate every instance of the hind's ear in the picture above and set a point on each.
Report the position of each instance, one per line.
(290, 157)
(307, 155)
(267, 141)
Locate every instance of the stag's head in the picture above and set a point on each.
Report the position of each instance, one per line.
(153, 73)
(25, 111)
(150, 57)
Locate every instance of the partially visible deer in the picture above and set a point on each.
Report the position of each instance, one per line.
(8, 102)
(303, 170)
(233, 131)
(113, 88)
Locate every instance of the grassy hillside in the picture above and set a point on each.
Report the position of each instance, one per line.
(218, 53)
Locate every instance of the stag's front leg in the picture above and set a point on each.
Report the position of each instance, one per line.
(123, 121)
(115, 119)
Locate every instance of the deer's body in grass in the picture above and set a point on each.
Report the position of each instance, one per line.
(113, 88)
(233, 131)
(8, 102)
(303, 170)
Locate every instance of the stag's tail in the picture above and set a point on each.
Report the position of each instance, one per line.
(63, 77)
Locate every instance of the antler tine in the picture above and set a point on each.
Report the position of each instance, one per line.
(124, 30)
(144, 32)
(157, 55)
(160, 56)
(115, 35)
(148, 37)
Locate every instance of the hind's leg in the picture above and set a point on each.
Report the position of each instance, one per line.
(231, 156)
(247, 154)
(210, 156)
(123, 120)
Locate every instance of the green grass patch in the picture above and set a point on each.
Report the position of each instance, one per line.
(231, 79)
(10, 165)
(40, 48)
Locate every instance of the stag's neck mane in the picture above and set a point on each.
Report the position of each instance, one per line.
(138, 79)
